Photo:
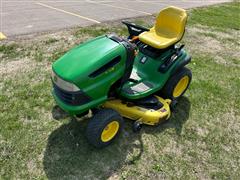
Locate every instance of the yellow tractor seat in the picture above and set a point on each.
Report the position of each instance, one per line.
(168, 29)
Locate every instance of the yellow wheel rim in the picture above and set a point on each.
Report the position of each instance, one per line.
(181, 86)
(110, 131)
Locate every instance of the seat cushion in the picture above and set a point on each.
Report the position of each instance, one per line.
(168, 29)
(157, 40)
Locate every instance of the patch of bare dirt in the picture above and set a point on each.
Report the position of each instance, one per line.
(221, 45)
(174, 148)
(12, 67)
(199, 42)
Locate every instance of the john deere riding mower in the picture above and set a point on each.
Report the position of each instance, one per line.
(138, 78)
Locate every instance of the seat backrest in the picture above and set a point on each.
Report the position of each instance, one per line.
(171, 22)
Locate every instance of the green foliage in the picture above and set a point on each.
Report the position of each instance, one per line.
(50, 41)
(224, 16)
(10, 50)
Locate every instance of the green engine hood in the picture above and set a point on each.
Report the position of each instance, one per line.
(82, 60)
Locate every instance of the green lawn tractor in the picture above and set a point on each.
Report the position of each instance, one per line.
(137, 78)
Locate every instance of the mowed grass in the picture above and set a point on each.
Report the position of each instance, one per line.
(200, 141)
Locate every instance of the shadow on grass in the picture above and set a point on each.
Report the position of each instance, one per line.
(69, 156)
(178, 117)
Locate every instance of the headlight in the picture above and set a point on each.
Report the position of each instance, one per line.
(67, 86)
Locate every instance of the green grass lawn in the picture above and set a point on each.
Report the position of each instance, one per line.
(200, 141)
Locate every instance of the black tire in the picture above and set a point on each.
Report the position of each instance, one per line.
(58, 113)
(173, 105)
(168, 89)
(97, 125)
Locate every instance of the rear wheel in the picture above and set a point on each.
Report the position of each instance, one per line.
(104, 127)
(177, 85)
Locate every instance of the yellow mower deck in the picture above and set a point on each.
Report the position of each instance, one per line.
(141, 114)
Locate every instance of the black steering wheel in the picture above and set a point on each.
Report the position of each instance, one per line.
(134, 29)
(130, 24)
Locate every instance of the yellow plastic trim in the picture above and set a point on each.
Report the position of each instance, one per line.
(168, 29)
(110, 131)
(146, 116)
(181, 86)
(2, 36)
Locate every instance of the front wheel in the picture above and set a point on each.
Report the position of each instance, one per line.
(177, 85)
(104, 127)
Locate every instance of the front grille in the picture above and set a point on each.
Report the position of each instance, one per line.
(71, 98)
